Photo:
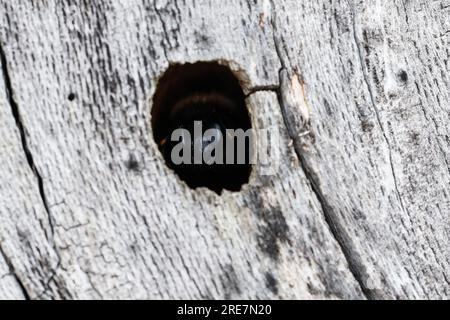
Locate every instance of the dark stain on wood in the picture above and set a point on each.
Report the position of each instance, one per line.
(132, 163)
(271, 283)
(273, 229)
(230, 282)
(402, 76)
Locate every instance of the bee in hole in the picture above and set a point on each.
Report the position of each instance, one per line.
(215, 111)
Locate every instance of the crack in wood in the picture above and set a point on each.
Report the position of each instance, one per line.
(375, 108)
(111, 55)
(30, 160)
(328, 212)
(166, 34)
(15, 274)
(23, 138)
(330, 217)
(255, 89)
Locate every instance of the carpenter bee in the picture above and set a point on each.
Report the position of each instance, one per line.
(214, 110)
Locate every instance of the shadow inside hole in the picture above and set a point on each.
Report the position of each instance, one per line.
(210, 93)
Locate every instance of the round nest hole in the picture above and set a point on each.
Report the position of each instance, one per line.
(192, 99)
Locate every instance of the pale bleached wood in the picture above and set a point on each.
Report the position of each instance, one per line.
(374, 98)
(351, 213)
(124, 225)
(9, 286)
(26, 255)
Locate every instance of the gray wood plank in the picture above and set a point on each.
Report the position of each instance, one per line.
(359, 205)
(125, 231)
(370, 123)
(27, 258)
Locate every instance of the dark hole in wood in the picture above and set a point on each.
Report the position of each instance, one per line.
(206, 92)
(71, 97)
(403, 76)
(132, 163)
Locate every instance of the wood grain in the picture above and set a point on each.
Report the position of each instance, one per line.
(359, 205)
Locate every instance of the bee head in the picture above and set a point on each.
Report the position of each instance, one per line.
(214, 101)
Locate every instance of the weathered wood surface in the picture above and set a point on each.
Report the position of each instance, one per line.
(359, 207)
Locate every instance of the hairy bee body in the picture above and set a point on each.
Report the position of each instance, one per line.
(210, 93)
(214, 111)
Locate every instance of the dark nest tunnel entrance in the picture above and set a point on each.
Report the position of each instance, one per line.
(207, 93)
